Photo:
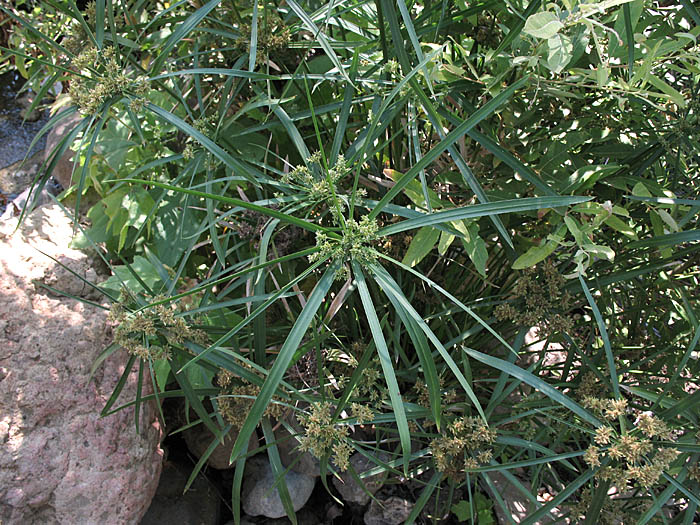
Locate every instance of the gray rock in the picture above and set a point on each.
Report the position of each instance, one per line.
(304, 517)
(60, 462)
(69, 277)
(200, 505)
(350, 490)
(392, 511)
(31, 115)
(18, 176)
(333, 511)
(199, 439)
(28, 114)
(15, 206)
(261, 499)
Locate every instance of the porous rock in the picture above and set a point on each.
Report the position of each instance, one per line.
(60, 462)
(261, 499)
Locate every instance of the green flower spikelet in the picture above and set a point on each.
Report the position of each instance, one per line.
(354, 245)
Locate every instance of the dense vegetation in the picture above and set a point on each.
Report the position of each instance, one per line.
(463, 233)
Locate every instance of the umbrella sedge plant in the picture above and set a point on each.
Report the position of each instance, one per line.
(348, 225)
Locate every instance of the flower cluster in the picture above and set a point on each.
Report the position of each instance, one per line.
(694, 472)
(545, 302)
(367, 391)
(77, 37)
(614, 511)
(362, 413)
(90, 93)
(635, 456)
(273, 37)
(609, 408)
(354, 245)
(203, 125)
(135, 331)
(448, 396)
(321, 189)
(237, 398)
(368, 387)
(322, 436)
(464, 446)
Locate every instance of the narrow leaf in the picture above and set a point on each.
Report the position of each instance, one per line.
(535, 382)
(284, 359)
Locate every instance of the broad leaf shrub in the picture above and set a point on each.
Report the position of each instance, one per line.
(463, 234)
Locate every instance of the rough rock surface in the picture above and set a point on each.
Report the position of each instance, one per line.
(350, 490)
(28, 114)
(261, 499)
(60, 462)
